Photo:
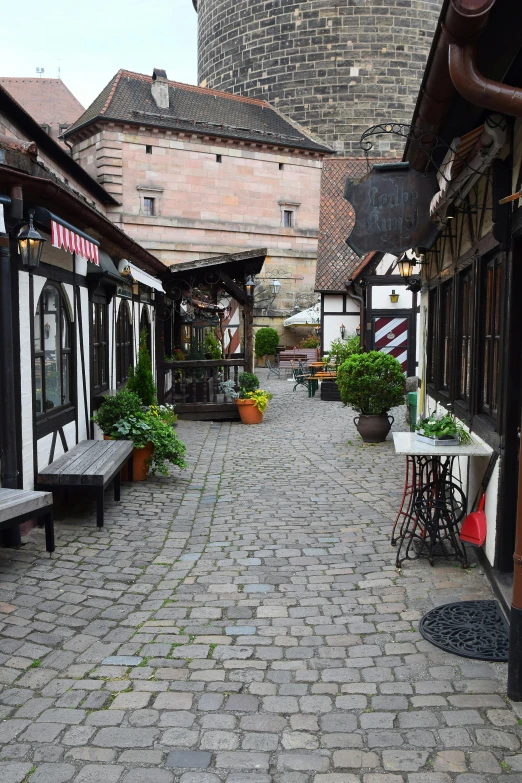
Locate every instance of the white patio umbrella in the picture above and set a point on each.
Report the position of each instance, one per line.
(309, 317)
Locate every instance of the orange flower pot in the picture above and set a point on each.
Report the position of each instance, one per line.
(248, 412)
(140, 469)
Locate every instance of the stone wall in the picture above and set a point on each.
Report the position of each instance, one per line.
(336, 68)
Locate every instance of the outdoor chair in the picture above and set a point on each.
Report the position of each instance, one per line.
(273, 369)
(300, 378)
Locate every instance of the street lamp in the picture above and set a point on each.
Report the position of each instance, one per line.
(275, 285)
(30, 245)
(342, 329)
(250, 285)
(406, 266)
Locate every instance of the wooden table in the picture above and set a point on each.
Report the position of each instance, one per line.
(433, 503)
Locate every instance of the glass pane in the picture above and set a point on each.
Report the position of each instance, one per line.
(486, 373)
(38, 385)
(38, 329)
(494, 392)
(51, 308)
(66, 378)
(95, 362)
(103, 367)
(66, 330)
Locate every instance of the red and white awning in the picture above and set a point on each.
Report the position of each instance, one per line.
(72, 242)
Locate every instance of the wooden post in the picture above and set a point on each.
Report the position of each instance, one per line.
(248, 331)
(159, 339)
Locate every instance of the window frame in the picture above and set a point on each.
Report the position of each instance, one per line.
(64, 412)
(491, 335)
(97, 360)
(464, 344)
(152, 200)
(125, 347)
(446, 341)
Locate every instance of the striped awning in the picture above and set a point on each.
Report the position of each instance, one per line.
(67, 239)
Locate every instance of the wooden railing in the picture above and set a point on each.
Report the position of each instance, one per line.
(198, 382)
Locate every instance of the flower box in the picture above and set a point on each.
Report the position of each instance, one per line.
(447, 441)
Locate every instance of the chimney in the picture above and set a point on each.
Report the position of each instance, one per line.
(160, 88)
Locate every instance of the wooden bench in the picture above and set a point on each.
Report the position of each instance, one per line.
(18, 505)
(90, 465)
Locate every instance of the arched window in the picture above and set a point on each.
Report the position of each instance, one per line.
(145, 324)
(123, 344)
(52, 351)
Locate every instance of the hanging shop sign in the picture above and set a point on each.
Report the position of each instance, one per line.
(392, 210)
(124, 291)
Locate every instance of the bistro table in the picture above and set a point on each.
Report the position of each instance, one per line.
(433, 503)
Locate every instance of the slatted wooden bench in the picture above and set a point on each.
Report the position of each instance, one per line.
(91, 465)
(19, 505)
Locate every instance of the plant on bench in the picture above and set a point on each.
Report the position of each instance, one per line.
(122, 417)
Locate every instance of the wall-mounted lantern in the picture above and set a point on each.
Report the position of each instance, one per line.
(394, 298)
(250, 285)
(342, 329)
(30, 245)
(358, 330)
(275, 285)
(406, 266)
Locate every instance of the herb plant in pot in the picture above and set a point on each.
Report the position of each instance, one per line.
(251, 401)
(371, 383)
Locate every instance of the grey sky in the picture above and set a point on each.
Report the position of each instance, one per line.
(106, 35)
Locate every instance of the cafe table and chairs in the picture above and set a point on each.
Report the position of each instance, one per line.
(434, 503)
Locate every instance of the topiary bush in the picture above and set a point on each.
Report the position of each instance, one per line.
(371, 383)
(123, 405)
(267, 340)
(141, 380)
(248, 382)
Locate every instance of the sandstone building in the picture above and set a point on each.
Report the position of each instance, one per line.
(334, 67)
(200, 173)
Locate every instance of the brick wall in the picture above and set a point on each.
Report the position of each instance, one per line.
(336, 68)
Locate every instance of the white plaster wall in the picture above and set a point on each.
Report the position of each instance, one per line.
(331, 327)
(333, 303)
(26, 381)
(381, 298)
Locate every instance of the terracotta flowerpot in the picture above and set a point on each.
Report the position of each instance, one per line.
(140, 469)
(248, 412)
(373, 428)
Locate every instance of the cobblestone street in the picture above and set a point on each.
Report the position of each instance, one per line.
(243, 622)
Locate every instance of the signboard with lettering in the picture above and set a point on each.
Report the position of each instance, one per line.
(392, 209)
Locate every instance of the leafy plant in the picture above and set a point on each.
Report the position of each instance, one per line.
(177, 356)
(267, 340)
(371, 383)
(261, 399)
(121, 406)
(248, 382)
(444, 427)
(164, 412)
(141, 380)
(341, 350)
(228, 389)
(145, 428)
(213, 346)
(310, 342)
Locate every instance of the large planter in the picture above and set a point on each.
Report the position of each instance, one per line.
(373, 428)
(140, 469)
(248, 412)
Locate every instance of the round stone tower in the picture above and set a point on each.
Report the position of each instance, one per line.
(334, 66)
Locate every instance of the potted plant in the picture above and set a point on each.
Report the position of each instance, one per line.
(251, 401)
(155, 443)
(266, 342)
(371, 383)
(341, 350)
(443, 430)
(141, 380)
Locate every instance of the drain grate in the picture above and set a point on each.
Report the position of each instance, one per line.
(472, 629)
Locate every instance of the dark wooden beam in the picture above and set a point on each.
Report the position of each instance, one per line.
(233, 288)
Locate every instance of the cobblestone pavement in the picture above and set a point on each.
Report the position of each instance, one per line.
(243, 622)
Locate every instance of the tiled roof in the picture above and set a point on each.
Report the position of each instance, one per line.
(128, 98)
(48, 101)
(336, 262)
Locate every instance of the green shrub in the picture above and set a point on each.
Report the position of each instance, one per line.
(146, 428)
(310, 342)
(341, 350)
(124, 404)
(248, 382)
(267, 340)
(213, 346)
(371, 383)
(141, 380)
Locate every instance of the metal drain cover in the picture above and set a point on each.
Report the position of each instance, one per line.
(472, 629)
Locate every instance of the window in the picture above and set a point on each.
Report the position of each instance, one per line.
(123, 344)
(100, 356)
(492, 290)
(218, 158)
(281, 167)
(62, 127)
(148, 149)
(288, 218)
(52, 351)
(446, 335)
(431, 346)
(465, 324)
(45, 127)
(145, 324)
(149, 206)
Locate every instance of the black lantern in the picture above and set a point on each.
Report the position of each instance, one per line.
(30, 244)
(275, 285)
(358, 330)
(406, 266)
(342, 329)
(250, 285)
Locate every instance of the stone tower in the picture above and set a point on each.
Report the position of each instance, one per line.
(334, 66)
